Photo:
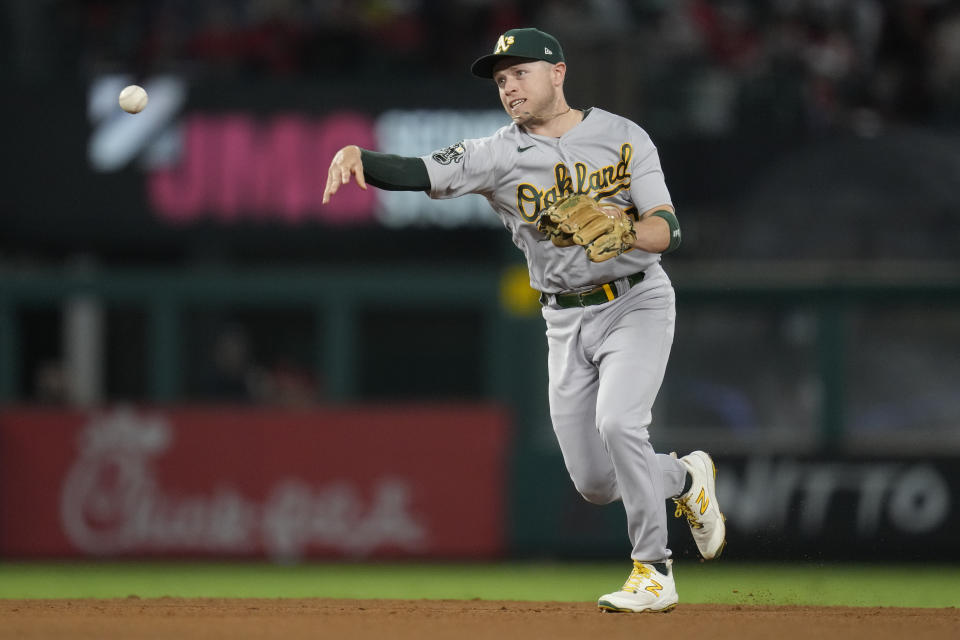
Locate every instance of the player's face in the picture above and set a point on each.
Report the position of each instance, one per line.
(529, 90)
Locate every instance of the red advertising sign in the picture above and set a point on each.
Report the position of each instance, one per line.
(240, 482)
(233, 167)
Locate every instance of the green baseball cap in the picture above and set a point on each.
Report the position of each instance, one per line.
(520, 43)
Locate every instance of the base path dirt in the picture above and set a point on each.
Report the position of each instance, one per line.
(459, 619)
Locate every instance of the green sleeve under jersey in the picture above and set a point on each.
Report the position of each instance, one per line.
(394, 173)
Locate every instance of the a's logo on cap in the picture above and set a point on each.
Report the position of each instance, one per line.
(503, 44)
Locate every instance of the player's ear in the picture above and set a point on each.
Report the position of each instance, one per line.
(558, 73)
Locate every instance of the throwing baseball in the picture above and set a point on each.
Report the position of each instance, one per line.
(133, 99)
(584, 197)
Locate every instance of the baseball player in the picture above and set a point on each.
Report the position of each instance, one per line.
(583, 195)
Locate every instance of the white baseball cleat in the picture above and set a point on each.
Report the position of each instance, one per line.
(646, 590)
(699, 505)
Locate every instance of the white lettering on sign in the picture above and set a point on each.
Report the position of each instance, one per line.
(112, 503)
(418, 133)
(297, 516)
(775, 495)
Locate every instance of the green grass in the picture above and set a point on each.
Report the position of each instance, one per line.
(730, 583)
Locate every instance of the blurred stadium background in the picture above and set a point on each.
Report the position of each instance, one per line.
(197, 361)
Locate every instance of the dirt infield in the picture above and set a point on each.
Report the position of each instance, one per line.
(426, 619)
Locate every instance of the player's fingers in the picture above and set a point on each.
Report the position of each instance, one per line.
(333, 183)
(361, 182)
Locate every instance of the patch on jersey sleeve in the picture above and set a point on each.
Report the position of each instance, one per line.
(453, 153)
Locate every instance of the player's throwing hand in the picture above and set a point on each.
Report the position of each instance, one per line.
(346, 162)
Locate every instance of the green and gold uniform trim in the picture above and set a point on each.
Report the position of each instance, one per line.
(671, 219)
(598, 295)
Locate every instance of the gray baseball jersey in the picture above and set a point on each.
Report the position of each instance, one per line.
(521, 174)
(606, 362)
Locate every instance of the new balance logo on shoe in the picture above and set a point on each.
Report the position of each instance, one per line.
(648, 589)
(703, 501)
(702, 512)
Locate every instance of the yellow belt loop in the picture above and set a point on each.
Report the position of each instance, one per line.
(609, 292)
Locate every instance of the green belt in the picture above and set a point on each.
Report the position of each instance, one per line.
(603, 293)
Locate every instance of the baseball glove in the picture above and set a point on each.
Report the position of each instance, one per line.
(603, 230)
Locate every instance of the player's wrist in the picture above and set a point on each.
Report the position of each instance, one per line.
(654, 233)
(674, 238)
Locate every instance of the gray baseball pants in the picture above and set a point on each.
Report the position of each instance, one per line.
(606, 363)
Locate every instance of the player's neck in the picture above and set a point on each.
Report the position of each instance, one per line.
(557, 123)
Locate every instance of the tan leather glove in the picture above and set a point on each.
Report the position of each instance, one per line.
(603, 230)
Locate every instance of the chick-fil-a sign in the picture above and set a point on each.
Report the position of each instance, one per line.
(242, 482)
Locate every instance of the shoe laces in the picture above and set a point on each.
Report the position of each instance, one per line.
(640, 572)
(684, 510)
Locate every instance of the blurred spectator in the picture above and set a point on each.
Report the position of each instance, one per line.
(50, 383)
(944, 77)
(286, 384)
(810, 65)
(234, 376)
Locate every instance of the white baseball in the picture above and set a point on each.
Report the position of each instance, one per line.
(133, 99)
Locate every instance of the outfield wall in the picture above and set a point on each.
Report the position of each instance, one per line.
(234, 482)
(411, 481)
